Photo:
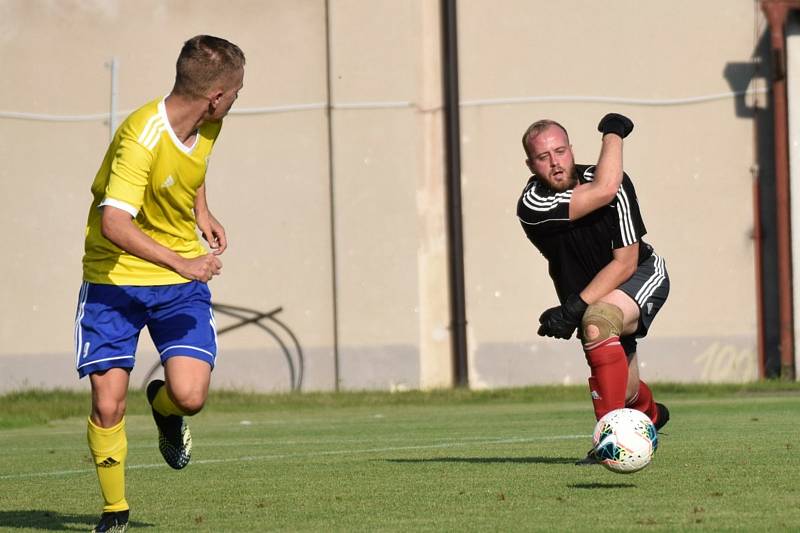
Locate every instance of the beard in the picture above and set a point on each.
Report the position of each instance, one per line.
(563, 182)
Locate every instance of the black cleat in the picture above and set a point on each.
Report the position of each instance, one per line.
(174, 437)
(116, 522)
(663, 416)
(589, 460)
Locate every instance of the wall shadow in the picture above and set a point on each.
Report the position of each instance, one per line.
(740, 76)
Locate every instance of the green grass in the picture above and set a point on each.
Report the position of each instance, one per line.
(416, 461)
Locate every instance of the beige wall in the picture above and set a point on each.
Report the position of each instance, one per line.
(269, 180)
(690, 164)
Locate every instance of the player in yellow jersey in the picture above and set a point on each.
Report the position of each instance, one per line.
(145, 266)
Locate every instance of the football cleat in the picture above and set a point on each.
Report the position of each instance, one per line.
(663, 416)
(174, 437)
(590, 459)
(116, 522)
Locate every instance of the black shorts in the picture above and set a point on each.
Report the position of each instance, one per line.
(649, 288)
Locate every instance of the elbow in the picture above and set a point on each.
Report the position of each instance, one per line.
(629, 269)
(609, 193)
(111, 225)
(107, 228)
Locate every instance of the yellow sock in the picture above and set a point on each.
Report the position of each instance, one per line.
(163, 404)
(109, 447)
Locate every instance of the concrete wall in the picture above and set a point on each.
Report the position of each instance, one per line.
(372, 231)
(691, 164)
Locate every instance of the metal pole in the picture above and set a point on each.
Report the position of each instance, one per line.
(776, 15)
(454, 215)
(112, 113)
(332, 203)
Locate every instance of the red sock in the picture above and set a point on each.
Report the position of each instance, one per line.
(609, 379)
(643, 401)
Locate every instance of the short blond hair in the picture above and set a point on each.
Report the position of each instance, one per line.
(538, 127)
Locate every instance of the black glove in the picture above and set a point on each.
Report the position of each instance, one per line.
(560, 322)
(615, 123)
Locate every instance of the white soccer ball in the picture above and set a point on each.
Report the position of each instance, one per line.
(625, 440)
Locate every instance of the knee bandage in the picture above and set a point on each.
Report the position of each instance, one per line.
(601, 321)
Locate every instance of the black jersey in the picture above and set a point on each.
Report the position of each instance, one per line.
(577, 250)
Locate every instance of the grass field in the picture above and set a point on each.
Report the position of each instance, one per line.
(444, 461)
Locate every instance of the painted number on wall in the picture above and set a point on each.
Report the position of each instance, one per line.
(725, 362)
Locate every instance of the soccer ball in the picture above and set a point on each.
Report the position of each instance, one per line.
(625, 440)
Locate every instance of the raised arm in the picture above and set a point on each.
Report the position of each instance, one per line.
(588, 197)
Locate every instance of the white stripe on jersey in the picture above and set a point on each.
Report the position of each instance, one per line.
(625, 221)
(626, 225)
(541, 221)
(534, 202)
(146, 130)
(154, 136)
(128, 208)
(652, 283)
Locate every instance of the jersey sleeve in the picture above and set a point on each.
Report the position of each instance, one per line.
(631, 226)
(130, 171)
(539, 206)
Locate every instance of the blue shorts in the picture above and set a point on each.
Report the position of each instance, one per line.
(110, 317)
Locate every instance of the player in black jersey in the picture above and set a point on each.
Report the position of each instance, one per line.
(585, 221)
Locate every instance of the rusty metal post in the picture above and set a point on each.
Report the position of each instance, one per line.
(776, 12)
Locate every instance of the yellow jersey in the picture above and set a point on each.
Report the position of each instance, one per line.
(148, 172)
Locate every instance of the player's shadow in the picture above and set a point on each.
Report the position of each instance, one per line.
(486, 460)
(54, 521)
(594, 486)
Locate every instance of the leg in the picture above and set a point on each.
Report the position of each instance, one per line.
(637, 394)
(601, 327)
(633, 378)
(107, 325)
(106, 436)
(187, 381)
(109, 394)
(648, 289)
(183, 330)
(184, 393)
(640, 397)
(603, 323)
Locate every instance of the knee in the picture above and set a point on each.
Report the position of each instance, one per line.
(108, 412)
(601, 321)
(190, 402)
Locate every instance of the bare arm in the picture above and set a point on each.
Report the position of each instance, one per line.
(118, 227)
(209, 226)
(588, 197)
(614, 274)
